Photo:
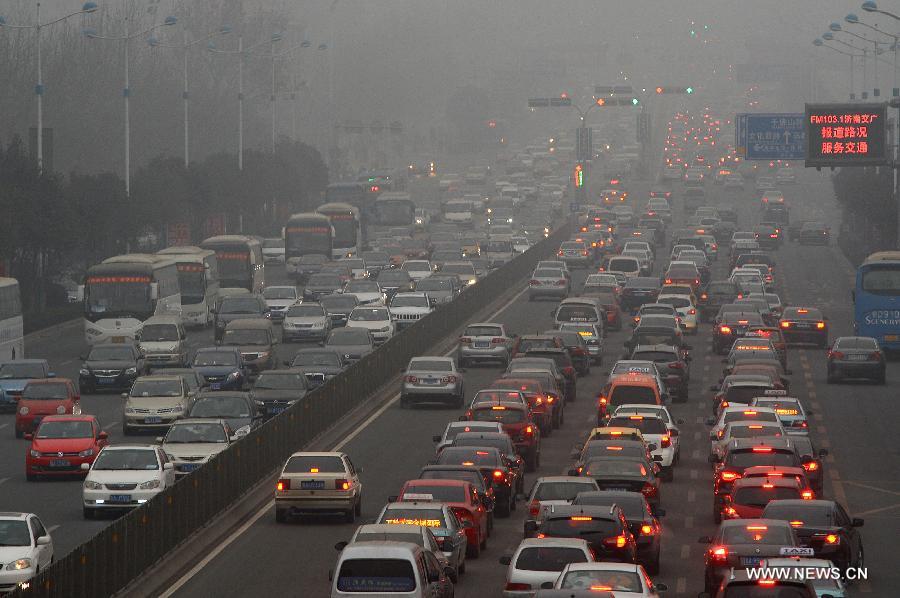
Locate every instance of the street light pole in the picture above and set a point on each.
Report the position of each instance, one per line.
(821, 44)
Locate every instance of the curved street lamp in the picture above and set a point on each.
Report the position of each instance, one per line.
(855, 20)
(819, 42)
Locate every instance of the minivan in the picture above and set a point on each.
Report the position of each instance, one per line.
(163, 341)
(578, 310)
(629, 266)
(395, 568)
(256, 341)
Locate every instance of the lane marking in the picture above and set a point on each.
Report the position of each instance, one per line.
(681, 585)
(868, 487)
(112, 425)
(879, 510)
(3, 426)
(184, 579)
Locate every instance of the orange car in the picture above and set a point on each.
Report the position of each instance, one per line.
(630, 388)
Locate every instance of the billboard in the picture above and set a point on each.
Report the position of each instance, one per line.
(846, 134)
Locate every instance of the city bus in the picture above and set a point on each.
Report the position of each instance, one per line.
(198, 279)
(121, 292)
(876, 299)
(357, 194)
(345, 222)
(394, 209)
(307, 233)
(12, 338)
(240, 262)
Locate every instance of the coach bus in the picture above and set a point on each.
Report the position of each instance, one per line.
(198, 279)
(240, 262)
(876, 299)
(345, 222)
(12, 339)
(307, 233)
(121, 292)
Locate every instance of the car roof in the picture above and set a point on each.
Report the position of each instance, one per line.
(382, 549)
(553, 542)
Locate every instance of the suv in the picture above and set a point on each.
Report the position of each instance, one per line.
(409, 308)
(605, 529)
(256, 341)
(163, 342)
(484, 341)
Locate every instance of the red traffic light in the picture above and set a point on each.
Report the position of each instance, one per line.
(492, 124)
(659, 90)
(601, 101)
(564, 95)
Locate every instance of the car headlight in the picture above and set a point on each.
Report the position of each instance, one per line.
(92, 485)
(19, 564)
(129, 409)
(23, 410)
(150, 485)
(131, 371)
(385, 329)
(234, 375)
(86, 453)
(61, 410)
(178, 407)
(34, 453)
(84, 372)
(260, 403)
(242, 431)
(171, 456)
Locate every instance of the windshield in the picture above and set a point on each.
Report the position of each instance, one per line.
(439, 493)
(215, 358)
(561, 490)
(192, 282)
(14, 533)
(276, 381)
(196, 432)
(339, 302)
(329, 358)
(50, 392)
(306, 311)
(376, 575)
(156, 388)
(311, 237)
(362, 286)
(110, 354)
(430, 365)
(415, 301)
(132, 458)
(242, 336)
(616, 581)
(759, 497)
(349, 336)
(369, 314)
(632, 394)
(280, 293)
(240, 305)
(155, 333)
(69, 429)
(548, 559)
(744, 459)
(118, 295)
(21, 370)
(221, 406)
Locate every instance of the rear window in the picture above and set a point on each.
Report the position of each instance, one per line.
(760, 497)
(314, 464)
(632, 394)
(376, 576)
(472, 476)
(655, 356)
(483, 331)
(647, 425)
(856, 343)
(763, 416)
(585, 527)
(468, 456)
(505, 416)
(753, 431)
(536, 343)
(749, 458)
(811, 516)
(773, 535)
(548, 558)
(430, 365)
(48, 392)
(577, 313)
(624, 265)
(615, 467)
(561, 490)
(617, 581)
(744, 394)
(440, 493)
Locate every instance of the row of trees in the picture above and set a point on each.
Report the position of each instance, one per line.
(869, 221)
(53, 227)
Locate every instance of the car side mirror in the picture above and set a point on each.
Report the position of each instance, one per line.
(160, 439)
(286, 362)
(547, 585)
(436, 438)
(43, 541)
(85, 467)
(657, 459)
(857, 522)
(29, 436)
(659, 512)
(531, 527)
(168, 466)
(466, 523)
(341, 545)
(573, 472)
(660, 587)
(82, 357)
(462, 418)
(103, 436)
(679, 421)
(652, 446)
(506, 559)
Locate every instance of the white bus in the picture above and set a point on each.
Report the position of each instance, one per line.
(241, 264)
(345, 222)
(198, 279)
(12, 340)
(121, 292)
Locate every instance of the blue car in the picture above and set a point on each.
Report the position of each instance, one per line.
(221, 368)
(14, 375)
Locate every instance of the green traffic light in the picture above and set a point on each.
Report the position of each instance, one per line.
(689, 90)
(634, 101)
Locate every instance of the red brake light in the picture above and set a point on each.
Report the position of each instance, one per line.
(666, 441)
(811, 466)
(725, 329)
(283, 485)
(730, 476)
(619, 541)
(498, 474)
(807, 495)
(762, 449)
(785, 324)
(534, 507)
(832, 539)
(341, 484)
(529, 430)
(718, 553)
(820, 325)
(465, 340)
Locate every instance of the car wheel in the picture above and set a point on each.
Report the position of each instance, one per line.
(88, 513)
(281, 516)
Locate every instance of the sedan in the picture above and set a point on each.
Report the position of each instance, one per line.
(110, 367)
(804, 325)
(484, 341)
(306, 321)
(856, 357)
(548, 282)
(61, 444)
(190, 443)
(25, 549)
(222, 368)
(432, 379)
(236, 409)
(376, 320)
(276, 390)
(351, 343)
(125, 476)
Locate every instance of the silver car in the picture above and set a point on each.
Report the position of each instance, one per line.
(539, 560)
(432, 379)
(305, 322)
(548, 282)
(352, 344)
(484, 341)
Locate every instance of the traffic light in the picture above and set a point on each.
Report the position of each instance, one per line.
(674, 89)
(578, 176)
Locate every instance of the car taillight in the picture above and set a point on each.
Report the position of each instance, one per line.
(785, 324)
(696, 281)
(876, 356)
(465, 340)
(836, 354)
(534, 508)
(560, 253)
(676, 365)
(704, 296)
(619, 541)
(648, 530)
(725, 329)
(668, 281)
(517, 587)
(832, 539)
(649, 490)
(718, 553)
(729, 476)
(463, 514)
(666, 442)
(811, 466)
(560, 282)
(342, 484)
(550, 398)
(529, 430)
(820, 325)
(807, 495)
(448, 380)
(497, 340)
(584, 252)
(412, 379)
(283, 485)
(499, 475)
(534, 283)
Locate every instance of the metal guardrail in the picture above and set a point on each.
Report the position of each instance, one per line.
(126, 548)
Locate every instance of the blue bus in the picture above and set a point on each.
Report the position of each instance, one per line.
(876, 299)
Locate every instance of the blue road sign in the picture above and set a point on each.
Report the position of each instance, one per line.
(774, 136)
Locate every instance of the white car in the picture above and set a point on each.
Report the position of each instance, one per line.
(744, 429)
(190, 443)
(273, 250)
(409, 308)
(624, 580)
(376, 319)
(25, 548)
(418, 269)
(734, 413)
(124, 476)
(520, 244)
(677, 249)
(539, 560)
(656, 433)
(790, 411)
(279, 298)
(368, 292)
(684, 306)
(458, 211)
(638, 246)
(357, 266)
(660, 411)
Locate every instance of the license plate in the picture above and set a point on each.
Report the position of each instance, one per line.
(480, 345)
(215, 386)
(121, 498)
(750, 561)
(152, 420)
(430, 381)
(804, 326)
(276, 410)
(189, 466)
(312, 485)
(106, 380)
(60, 463)
(857, 357)
(118, 339)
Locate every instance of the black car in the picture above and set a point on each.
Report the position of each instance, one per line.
(236, 408)
(237, 307)
(673, 365)
(395, 281)
(626, 473)
(815, 233)
(768, 236)
(856, 357)
(502, 442)
(804, 325)
(492, 465)
(733, 325)
(824, 526)
(563, 363)
(578, 349)
(605, 528)
(651, 334)
(338, 307)
(322, 284)
(110, 366)
(276, 390)
(716, 294)
(638, 291)
(222, 368)
(643, 523)
(318, 365)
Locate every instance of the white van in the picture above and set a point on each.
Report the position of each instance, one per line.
(387, 569)
(627, 265)
(163, 341)
(578, 310)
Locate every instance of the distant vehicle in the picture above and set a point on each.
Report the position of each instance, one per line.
(198, 279)
(240, 261)
(347, 231)
(12, 341)
(305, 234)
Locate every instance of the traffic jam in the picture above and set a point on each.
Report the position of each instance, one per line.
(654, 364)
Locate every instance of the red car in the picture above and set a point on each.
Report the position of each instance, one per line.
(61, 444)
(538, 400)
(463, 499)
(517, 421)
(47, 396)
(749, 496)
